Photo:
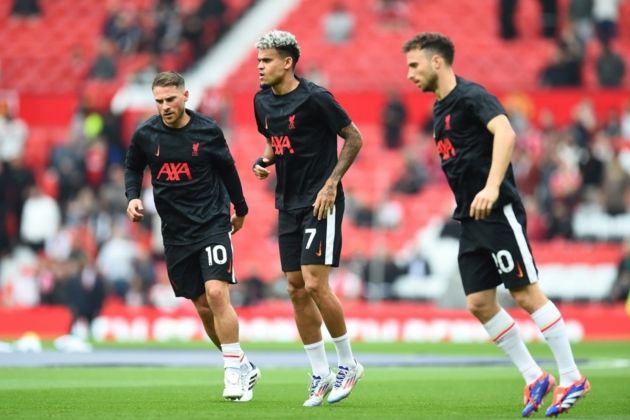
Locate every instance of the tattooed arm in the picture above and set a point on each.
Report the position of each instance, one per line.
(327, 195)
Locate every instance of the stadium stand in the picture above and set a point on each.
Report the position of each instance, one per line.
(359, 72)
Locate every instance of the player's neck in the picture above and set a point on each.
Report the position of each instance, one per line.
(289, 84)
(181, 122)
(446, 84)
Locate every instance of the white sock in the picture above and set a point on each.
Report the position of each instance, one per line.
(232, 355)
(551, 324)
(505, 333)
(344, 351)
(316, 353)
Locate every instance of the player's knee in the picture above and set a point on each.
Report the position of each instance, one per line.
(203, 311)
(527, 298)
(315, 287)
(480, 308)
(297, 292)
(216, 296)
(520, 297)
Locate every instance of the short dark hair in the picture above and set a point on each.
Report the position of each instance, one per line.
(168, 78)
(289, 51)
(434, 42)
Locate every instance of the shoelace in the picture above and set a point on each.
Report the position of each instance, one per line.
(341, 375)
(315, 380)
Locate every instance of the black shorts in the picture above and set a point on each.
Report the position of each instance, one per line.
(190, 266)
(495, 250)
(304, 240)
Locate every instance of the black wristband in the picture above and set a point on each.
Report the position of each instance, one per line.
(261, 162)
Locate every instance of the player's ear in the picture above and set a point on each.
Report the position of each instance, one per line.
(185, 95)
(436, 61)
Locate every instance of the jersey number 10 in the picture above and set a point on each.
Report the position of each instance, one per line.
(504, 261)
(216, 254)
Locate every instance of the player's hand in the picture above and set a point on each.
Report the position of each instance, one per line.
(481, 206)
(325, 200)
(135, 210)
(261, 172)
(237, 222)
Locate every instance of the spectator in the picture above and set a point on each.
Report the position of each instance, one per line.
(560, 224)
(591, 169)
(168, 27)
(111, 134)
(549, 18)
(536, 221)
(51, 276)
(253, 286)
(26, 8)
(13, 135)
(621, 287)
(507, 10)
(338, 24)
(581, 18)
(625, 122)
(418, 266)
(413, 177)
(584, 123)
(393, 14)
(41, 218)
(104, 65)
(192, 32)
(85, 292)
(69, 166)
(123, 30)
(612, 125)
(565, 70)
(388, 214)
(358, 211)
(394, 118)
(615, 186)
(116, 261)
(606, 16)
(143, 279)
(112, 192)
(4, 209)
(611, 68)
(214, 16)
(16, 183)
(380, 273)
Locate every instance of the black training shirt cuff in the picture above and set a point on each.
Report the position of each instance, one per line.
(241, 209)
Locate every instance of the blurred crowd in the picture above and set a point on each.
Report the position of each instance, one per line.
(65, 232)
(65, 239)
(138, 39)
(589, 20)
(170, 29)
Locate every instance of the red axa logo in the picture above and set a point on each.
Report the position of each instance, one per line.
(195, 149)
(174, 172)
(445, 149)
(279, 143)
(447, 122)
(292, 122)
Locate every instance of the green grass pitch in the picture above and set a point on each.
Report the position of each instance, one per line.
(384, 393)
